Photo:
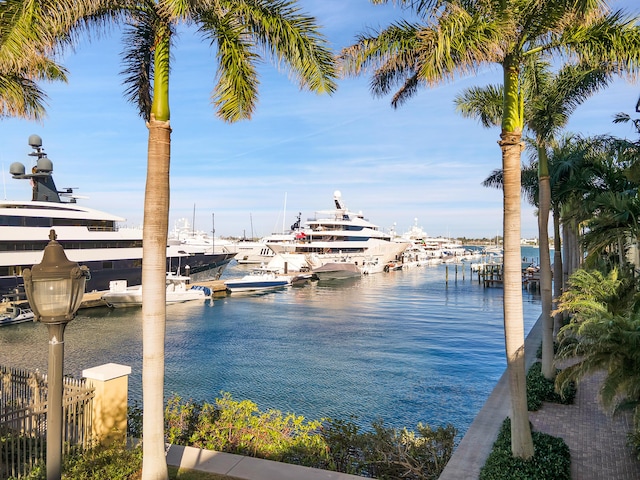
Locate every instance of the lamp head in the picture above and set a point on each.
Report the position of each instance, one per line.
(55, 286)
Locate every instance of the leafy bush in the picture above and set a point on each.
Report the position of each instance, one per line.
(551, 459)
(539, 389)
(389, 453)
(100, 462)
(239, 427)
(105, 462)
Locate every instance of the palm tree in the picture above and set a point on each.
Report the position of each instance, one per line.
(240, 29)
(31, 33)
(456, 37)
(549, 101)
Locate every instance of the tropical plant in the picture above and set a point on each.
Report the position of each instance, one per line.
(241, 30)
(31, 34)
(549, 100)
(552, 459)
(380, 452)
(603, 335)
(457, 37)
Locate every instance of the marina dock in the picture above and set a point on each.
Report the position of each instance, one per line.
(491, 275)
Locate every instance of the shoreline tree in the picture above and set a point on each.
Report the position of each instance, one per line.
(244, 31)
(550, 99)
(455, 38)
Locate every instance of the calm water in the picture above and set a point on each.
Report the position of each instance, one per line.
(402, 346)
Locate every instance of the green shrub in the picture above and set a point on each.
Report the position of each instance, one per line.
(116, 461)
(539, 389)
(239, 427)
(345, 445)
(104, 462)
(551, 459)
(180, 420)
(389, 453)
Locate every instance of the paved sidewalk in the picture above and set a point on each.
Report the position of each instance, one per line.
(596, 440)
(247, 468)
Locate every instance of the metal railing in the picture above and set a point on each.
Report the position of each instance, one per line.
(23, 419)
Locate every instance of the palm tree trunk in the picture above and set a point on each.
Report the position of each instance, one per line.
(154, 267)
(544, 186)
(621, 257)
(576, 247)
(156, 227)
(558, 285)
(521, 440)
(566, 251)
(511, 147)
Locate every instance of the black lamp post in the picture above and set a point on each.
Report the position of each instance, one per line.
(54, 289)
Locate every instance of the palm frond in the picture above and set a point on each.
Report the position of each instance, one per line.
(482, 103)
(139, 38)
(242, 30)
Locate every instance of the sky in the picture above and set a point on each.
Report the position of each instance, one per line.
(419, 164)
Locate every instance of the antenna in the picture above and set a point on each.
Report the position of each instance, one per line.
(284, 211)
(193, 222)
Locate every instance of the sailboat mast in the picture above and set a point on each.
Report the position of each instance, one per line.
(193, 221)
(284, 212)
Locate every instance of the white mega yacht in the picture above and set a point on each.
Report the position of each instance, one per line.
(89, 237)
(338, 235)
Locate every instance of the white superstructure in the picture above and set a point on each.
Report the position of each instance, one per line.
(336, 236)
(89, 237)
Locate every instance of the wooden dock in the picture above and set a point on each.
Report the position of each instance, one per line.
(491, 275)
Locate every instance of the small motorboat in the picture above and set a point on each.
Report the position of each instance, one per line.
(14, 314)
(337, 271)
(258, 279)
(178, 291)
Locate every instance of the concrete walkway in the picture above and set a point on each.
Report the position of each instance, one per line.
(596, 440)
(246, 468)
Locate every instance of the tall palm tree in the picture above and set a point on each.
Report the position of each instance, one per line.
(241, 30)
(549, 101)
(456, 37)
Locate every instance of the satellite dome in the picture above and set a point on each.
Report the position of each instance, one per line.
(45, 165)
(35, 141)
(16, 168)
